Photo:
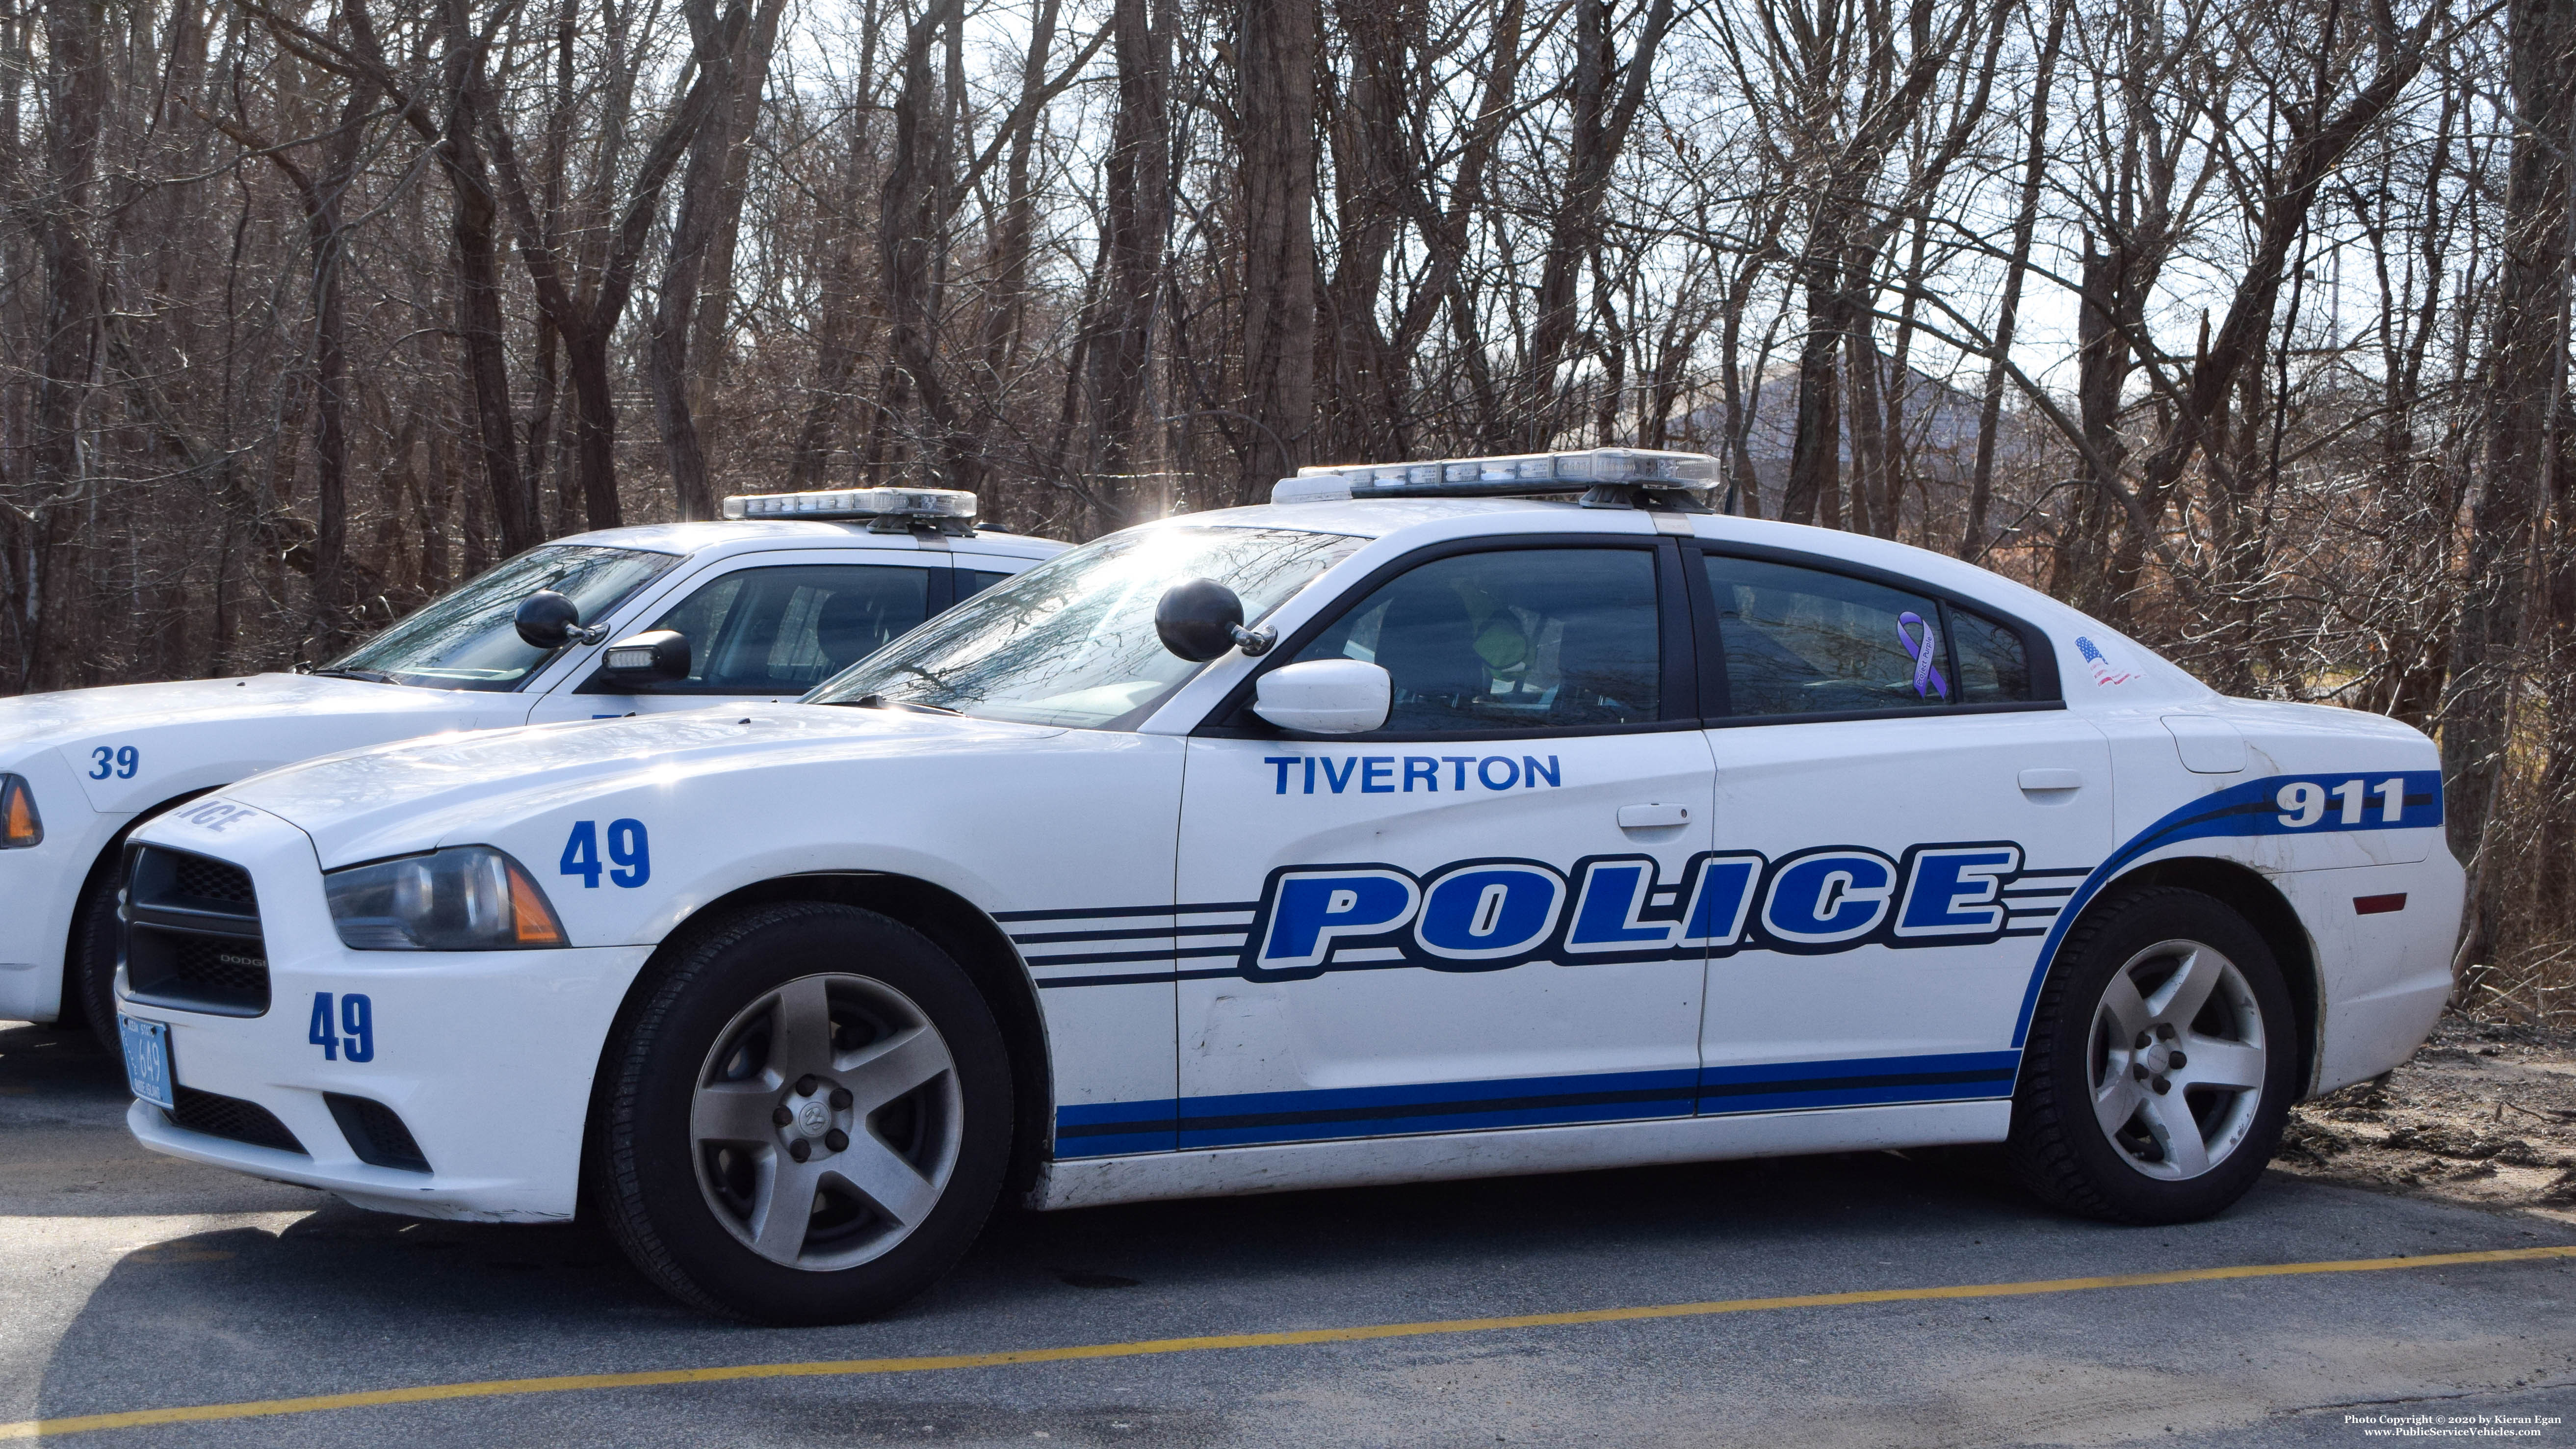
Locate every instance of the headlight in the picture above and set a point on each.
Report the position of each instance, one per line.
(467, 898)
(20, 826)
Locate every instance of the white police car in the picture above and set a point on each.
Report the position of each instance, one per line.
(793, 590)
(1511, 835)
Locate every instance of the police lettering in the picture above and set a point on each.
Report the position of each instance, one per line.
(1485, 915)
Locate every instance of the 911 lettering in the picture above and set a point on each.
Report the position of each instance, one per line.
(1489, 915)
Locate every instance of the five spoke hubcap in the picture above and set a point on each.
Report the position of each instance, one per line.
(2177, 1060)
(826, 1122)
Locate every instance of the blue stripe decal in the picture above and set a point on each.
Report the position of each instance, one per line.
(1857, 1082)
(2272, 805)
(1305, 1116)
(1340, 1113)
(1114, 1129)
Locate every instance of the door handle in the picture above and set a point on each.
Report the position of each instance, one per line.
(1652, 817)
(2043, 781)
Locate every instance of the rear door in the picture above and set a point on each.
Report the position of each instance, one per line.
(1912, 805)
(1474, 916)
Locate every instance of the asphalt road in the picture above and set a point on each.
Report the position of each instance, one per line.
(131, 1282)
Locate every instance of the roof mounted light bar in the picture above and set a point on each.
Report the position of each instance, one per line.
(887, 510)
(1606, 477)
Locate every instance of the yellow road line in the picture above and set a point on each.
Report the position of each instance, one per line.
(836, 1368)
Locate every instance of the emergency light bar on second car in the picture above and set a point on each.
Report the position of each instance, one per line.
(1607, 477)
(891, 509)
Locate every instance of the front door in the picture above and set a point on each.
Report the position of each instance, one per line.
(768, 631)
(1474, 916)
(1913, 809)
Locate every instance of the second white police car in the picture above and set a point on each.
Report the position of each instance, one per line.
(789, 590)
(1413, 826)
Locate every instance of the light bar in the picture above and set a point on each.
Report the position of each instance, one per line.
(1516, 475)
(931, 505)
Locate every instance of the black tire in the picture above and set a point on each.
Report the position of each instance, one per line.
(2079, 1052)
(89, 967)
(691, 1211)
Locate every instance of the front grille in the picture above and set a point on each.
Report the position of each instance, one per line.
(231, 1118)
(376, 1133)
(210, 880)
(192, 936)
(217, 965)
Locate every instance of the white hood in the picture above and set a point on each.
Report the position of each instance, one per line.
(458, 789)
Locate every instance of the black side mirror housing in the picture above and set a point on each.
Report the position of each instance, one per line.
(548, 620)
(650, 658)
(1198, 619)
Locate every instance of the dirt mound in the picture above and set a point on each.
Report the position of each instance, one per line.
(2485, 1112)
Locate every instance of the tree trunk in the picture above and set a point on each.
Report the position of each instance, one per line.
(1981, 481)
(76, 75)
(1275, 86)
(1138, 181)
(2527, 441)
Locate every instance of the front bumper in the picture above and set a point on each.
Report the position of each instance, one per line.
(487, 1057)
(40, 888)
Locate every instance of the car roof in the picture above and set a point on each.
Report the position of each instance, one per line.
(1408, 522)
(694, 538)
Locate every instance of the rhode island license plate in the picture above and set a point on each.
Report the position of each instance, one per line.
(147, 1059)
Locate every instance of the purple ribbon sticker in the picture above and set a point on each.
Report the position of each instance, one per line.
(1927, 675)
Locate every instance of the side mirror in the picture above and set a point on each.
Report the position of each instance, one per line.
(1325, 696)
(651, 658)
(1201, 619)
(548, 620)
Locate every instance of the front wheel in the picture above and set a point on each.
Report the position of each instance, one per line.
(807, 1118)
(89, 973)
(2160, 1062)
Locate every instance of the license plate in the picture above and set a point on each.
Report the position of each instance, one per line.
(147, 1059)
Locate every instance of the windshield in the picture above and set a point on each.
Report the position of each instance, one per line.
(1072, 642)
(467, 639)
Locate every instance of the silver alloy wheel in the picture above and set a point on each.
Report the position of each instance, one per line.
(826, 1122)
(2178, 1059)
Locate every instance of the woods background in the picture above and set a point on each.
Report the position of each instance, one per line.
(2241, 326)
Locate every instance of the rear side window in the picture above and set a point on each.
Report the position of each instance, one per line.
(1801, 641)
(1994, 665)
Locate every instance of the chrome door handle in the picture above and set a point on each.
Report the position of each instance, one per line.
(2043, 781)
(1652, 817)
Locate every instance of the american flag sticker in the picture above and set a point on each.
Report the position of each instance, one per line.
(2103, 672)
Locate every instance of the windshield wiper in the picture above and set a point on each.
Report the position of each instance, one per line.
(879, 701)
(371, 676)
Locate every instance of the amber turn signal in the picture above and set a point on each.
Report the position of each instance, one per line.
(20, 826)
(532, 918)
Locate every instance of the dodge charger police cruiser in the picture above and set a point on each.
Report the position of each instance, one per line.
(1486, 816)
(789, 590)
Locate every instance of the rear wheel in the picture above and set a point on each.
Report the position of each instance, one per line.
(2160, 1065)
(806, 1120)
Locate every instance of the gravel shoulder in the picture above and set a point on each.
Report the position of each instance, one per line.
(2484, 1114)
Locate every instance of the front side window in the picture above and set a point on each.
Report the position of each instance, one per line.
(1805, 641)
(784, 630)
(468, 640)
(1072, 641)
(1542, 639)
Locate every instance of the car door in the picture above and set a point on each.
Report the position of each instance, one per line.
(771, 627)
(1911, 804)
(1473, 916)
